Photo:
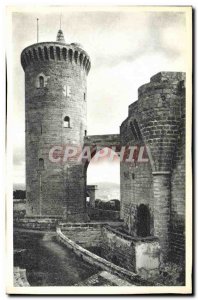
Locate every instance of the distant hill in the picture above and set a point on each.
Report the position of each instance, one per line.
(107, 191)
(17, 186)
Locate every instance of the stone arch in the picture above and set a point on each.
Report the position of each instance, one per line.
(66, 122)
(46, 53)
(35, 54)
(93, 152)
(100, 142)
(87, 64)
(64, 53)
(51, 52)
(70, 55)
(30, 56)
(58, 53)
(81, 58)
(84, 61)
(40, 53)
(76, 56)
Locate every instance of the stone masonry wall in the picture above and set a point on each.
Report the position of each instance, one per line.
(136, 179)
(159, 116)
(114, 246)
(141, 256)
(103, 215)
(159, 105)
(136, 189)
(100, 262)
(85, 235)
(177, 226)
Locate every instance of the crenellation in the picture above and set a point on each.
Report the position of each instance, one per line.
(55, 52)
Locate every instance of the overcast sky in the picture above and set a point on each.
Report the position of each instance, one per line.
(126, 49)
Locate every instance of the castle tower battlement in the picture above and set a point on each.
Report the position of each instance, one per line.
(55, 51)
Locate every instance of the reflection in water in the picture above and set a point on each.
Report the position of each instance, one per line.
(47, 262)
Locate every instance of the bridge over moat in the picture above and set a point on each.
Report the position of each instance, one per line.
(102, 141)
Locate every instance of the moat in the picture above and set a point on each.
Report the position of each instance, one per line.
(48, 263)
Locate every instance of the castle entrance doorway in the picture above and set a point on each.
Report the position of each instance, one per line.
(143, 220)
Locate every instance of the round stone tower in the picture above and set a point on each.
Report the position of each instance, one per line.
(55, 114)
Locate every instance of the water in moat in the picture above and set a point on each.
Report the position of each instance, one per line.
(47, 262)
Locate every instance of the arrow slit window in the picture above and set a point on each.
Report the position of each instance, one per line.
(41, 81)
(41, 164)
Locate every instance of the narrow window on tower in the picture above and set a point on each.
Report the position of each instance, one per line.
(41, 81)
(84, 96)
(66, 122)
(41, 164)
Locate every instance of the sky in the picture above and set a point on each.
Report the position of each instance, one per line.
(126, 49)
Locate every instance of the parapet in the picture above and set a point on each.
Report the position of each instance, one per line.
(168, 76)
(55, 51)
(161, 80)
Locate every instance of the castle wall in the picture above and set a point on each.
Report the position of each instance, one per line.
(177, 226)
(113, 245)
(136, 179)
(86, 235)
(97, 214)
(98, 261)
(141, 256)
(136, 189)
(158, 114)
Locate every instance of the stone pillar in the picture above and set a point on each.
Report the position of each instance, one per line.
(91, 189)
(92, 198)
(161, 189)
